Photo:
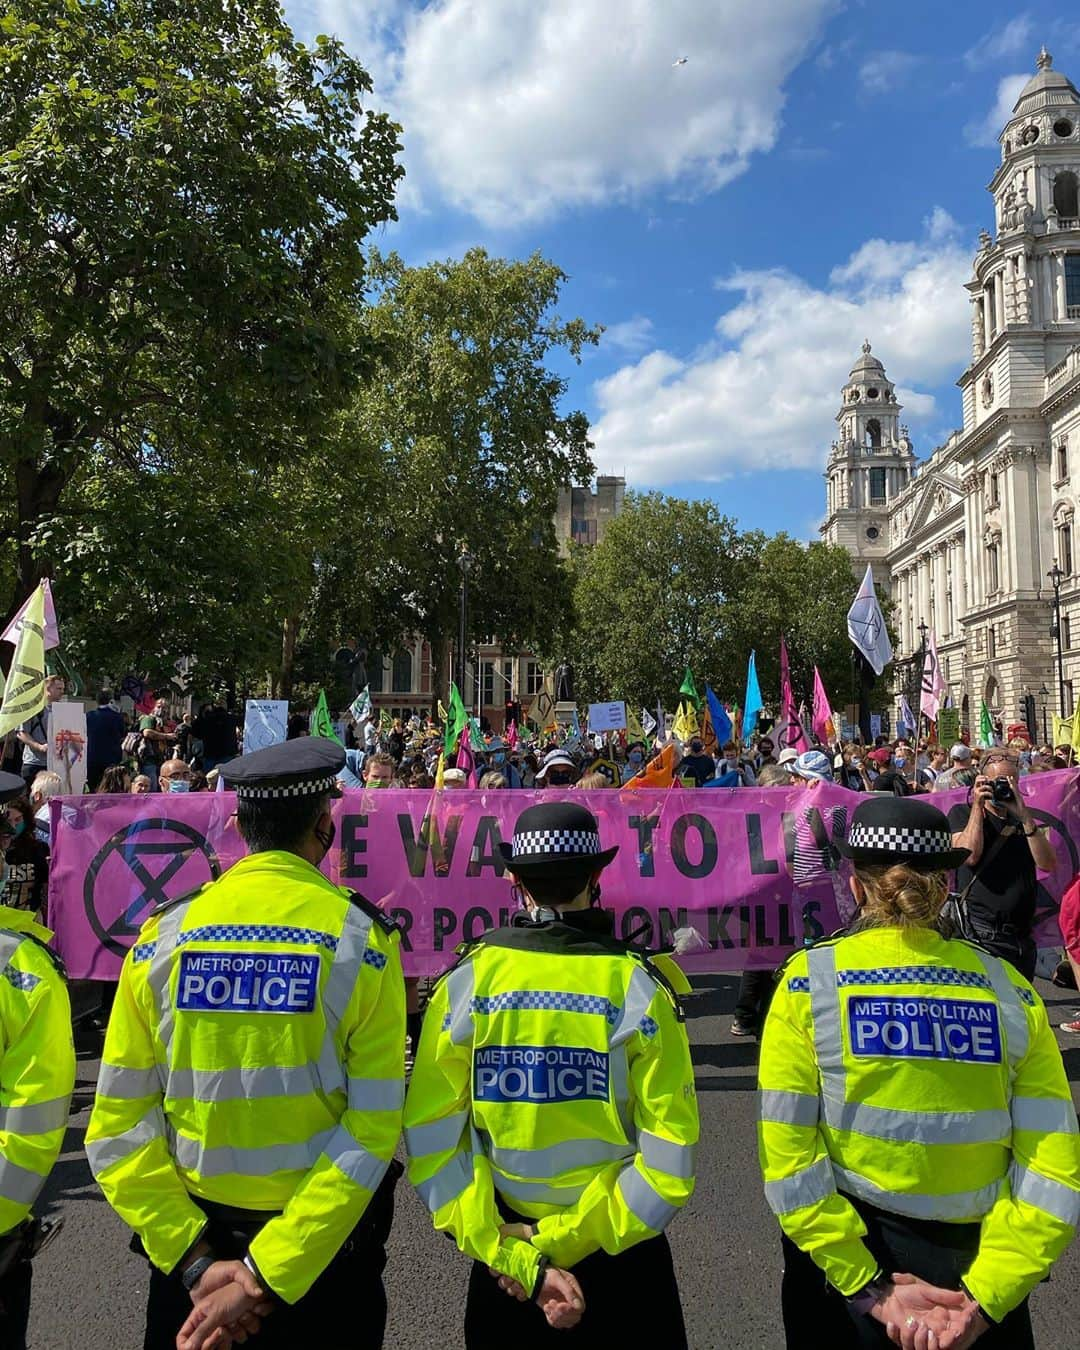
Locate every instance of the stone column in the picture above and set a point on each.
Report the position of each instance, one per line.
(999, 299)
(988, 314)
(978, 331)
(1059, 285)
(1046, 289)
(1023, 296)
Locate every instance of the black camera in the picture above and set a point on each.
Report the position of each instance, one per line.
(1003, 791)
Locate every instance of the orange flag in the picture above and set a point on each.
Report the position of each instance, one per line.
(659, 774)
(708, 735)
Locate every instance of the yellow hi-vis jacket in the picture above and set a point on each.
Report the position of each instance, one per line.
(255, 1057)
(554, 1072)
(921, 1076)
(37, 1063)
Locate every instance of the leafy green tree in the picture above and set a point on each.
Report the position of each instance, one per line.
(184, 192)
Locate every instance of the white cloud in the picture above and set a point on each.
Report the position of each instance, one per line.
(764, 393)
(885, 72)
(630, 336)
(986, 130)
(516, 111)
(998, 43)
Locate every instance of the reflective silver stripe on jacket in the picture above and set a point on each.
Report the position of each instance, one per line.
(545, 1164)
(437, 1136)
(640, 993)
(460, 984)
(619, 1066)
(788, 1108)
(536, 1192)
(1044, 1115)
(157, 979)
(116, 1080)
(451, 1180)
(677, 1160)
(825, 1011)
(1052, 1197)
(19, 1184)
(102, 1153)
(38, 1118)
(805, 1187)
(953, 1205)
(1012, 1010)
(194, 1156)
(919, 1127)
(348, 1155)
(9, 945)
(376, 1094)
(226, 1085)
(338, 990)
(644, 1201)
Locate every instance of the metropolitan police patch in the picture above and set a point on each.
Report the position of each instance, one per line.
(925, 1028)
(539, 1073)
(247, 982)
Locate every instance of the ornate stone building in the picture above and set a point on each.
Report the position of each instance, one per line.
(964, 542)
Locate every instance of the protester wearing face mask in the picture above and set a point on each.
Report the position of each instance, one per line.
(696, 764)
(27, 859)
(174, 776)
(318, 1091)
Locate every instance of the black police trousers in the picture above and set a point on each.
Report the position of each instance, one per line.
(630, 1299)
(815, 1315)
(15, 1305)
(345, 1306)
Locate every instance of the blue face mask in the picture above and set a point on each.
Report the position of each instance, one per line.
(18, 826)
(179, 785)
(635, 756)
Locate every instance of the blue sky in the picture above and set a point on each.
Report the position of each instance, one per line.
(814, 174)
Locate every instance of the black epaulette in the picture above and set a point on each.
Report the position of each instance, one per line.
(389, 925)
(54, 957)
(177, 900)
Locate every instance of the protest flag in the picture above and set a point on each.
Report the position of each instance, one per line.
(907, 717)
(1074, 740)
(753, 704)
(440, 781)
(708, 735)
(678, 727)
(442, 713)
(718, 715)
(824, 725)
(689, 688)
(456, 720)
(476, 736)
(321, 722)
(24, 693)
(933, 682)
(361, 707)
(1063, 730)
(13, 631)
(866, 626)
(659, 773)
(512, 736)
(788, 734)
(465, 760)
(986, 727)
(648, 723)
(634, 729)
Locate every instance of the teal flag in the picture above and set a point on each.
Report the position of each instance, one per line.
(752, 704)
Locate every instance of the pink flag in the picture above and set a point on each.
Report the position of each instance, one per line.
(933, 683)
(465, 759)
(52, 633)
(511, 735)
(788, 734)
(824, 726)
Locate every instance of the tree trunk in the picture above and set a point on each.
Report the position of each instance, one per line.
(289, 634)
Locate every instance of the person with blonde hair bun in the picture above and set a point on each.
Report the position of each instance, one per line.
(917, 1135)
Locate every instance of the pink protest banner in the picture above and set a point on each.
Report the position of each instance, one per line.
(744, 868)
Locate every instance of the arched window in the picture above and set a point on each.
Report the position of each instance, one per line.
(401, 679)
(375, 672)
(873, 433)
(1065, 194)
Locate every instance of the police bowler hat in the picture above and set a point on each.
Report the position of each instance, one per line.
(901, 832)
(556, 839)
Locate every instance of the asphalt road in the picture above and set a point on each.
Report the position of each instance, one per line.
(89, 1289)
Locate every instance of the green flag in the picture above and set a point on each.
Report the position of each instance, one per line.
(986, 727)
(24, 696)
(321, 724)
(476, 736)
(456, 721)
(689, 688)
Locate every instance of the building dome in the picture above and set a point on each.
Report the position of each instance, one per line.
(866, 364)
(1046, 88)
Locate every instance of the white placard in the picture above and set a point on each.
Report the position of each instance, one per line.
(67, 746)
(266, 721)
(607, 716)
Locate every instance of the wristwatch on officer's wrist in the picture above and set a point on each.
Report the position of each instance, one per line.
(541, 1271)
(191, 1276)
(869, 1295)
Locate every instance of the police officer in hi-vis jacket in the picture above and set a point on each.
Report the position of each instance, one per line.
(551, 1120)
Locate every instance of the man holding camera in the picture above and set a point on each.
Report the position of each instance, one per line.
(1007, 846)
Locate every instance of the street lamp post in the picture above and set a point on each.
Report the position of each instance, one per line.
(1057, 576)
(1044, 694)
(464, 562)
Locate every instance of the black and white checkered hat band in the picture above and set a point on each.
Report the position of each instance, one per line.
(551, 843)
(311, 787)
(899, 839)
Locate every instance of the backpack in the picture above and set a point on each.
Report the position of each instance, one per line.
(131, 742)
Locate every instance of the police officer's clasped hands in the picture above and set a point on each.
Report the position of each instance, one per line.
(560, 1298)
(229, 1306)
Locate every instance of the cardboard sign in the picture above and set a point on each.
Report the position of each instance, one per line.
(67, 746)
(266, 722)
(948, 726)
(607, 716)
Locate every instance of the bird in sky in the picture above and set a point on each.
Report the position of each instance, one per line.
(680, 62)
